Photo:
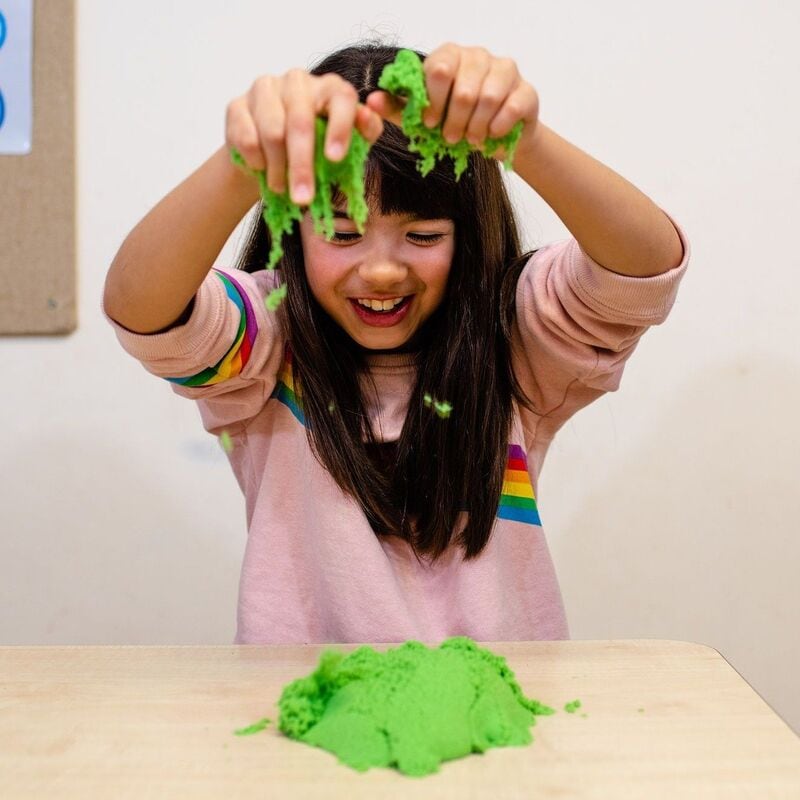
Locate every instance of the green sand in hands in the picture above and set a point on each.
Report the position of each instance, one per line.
(411, 707)
(280, 212)
(406, 78)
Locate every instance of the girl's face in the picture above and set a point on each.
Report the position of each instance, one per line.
(397, 257)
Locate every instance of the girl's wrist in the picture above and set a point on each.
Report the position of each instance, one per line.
(235, 179)
(529, 141)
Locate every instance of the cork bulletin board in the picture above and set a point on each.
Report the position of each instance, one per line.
(37, 187)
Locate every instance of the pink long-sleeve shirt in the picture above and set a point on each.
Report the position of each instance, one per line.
(314, 571)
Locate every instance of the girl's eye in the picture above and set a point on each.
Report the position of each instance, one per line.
(420, 238)
(345, 236)
(425, 238)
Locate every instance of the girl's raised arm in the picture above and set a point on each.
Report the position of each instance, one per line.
(165, 258)
(474, 94)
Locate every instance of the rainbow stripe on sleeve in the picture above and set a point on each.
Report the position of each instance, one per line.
(233, 362)
(516, 499)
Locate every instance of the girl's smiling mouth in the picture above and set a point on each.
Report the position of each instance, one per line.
(382, 319)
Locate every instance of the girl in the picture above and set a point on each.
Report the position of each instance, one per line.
(373, 514)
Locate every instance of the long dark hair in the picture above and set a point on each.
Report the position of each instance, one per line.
(443, 466)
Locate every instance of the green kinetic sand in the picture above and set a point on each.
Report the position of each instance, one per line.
(572, 707)
(280, 212)
(256, 727)
(442, 408)
(411, 707)
(406, 78)
(225, 441)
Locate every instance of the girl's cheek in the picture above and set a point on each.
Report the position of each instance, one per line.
(325, 267)
(436, 263)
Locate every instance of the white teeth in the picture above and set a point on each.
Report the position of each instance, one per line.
(381, 305)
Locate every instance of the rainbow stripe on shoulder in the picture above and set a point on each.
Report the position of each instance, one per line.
(517, 501)
(284, 389)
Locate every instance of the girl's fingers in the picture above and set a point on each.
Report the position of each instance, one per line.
(241, 133)
(521, 104)
(340, 99)
(497, 86)
(300, 134)
(440, 69)
(369, 123)
(266, 117)
(274, 127)
(269, 119)
(472, 95)
(273, 135)
(386, 105)
(465, 92)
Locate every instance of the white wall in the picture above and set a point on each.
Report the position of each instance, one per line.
(671, 505)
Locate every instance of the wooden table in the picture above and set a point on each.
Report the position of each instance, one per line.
(664, 719)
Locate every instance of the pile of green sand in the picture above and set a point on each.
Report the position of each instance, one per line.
(411, 707)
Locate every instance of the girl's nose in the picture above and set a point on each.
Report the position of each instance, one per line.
(382, 271)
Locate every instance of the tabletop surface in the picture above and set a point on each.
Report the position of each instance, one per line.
(658, 719)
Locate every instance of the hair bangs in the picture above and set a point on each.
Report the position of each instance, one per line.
(393, 183)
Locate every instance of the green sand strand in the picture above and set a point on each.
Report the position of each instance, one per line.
(347, 174)
(225, 441)
(275, 297)
(405, 77)
(254, 728)
(280, 212)
(411, 707)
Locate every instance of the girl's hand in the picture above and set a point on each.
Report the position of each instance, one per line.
(272, 126)
(473, 94)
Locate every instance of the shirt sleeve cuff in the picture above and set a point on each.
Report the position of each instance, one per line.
(185, 340)
(625, 298)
